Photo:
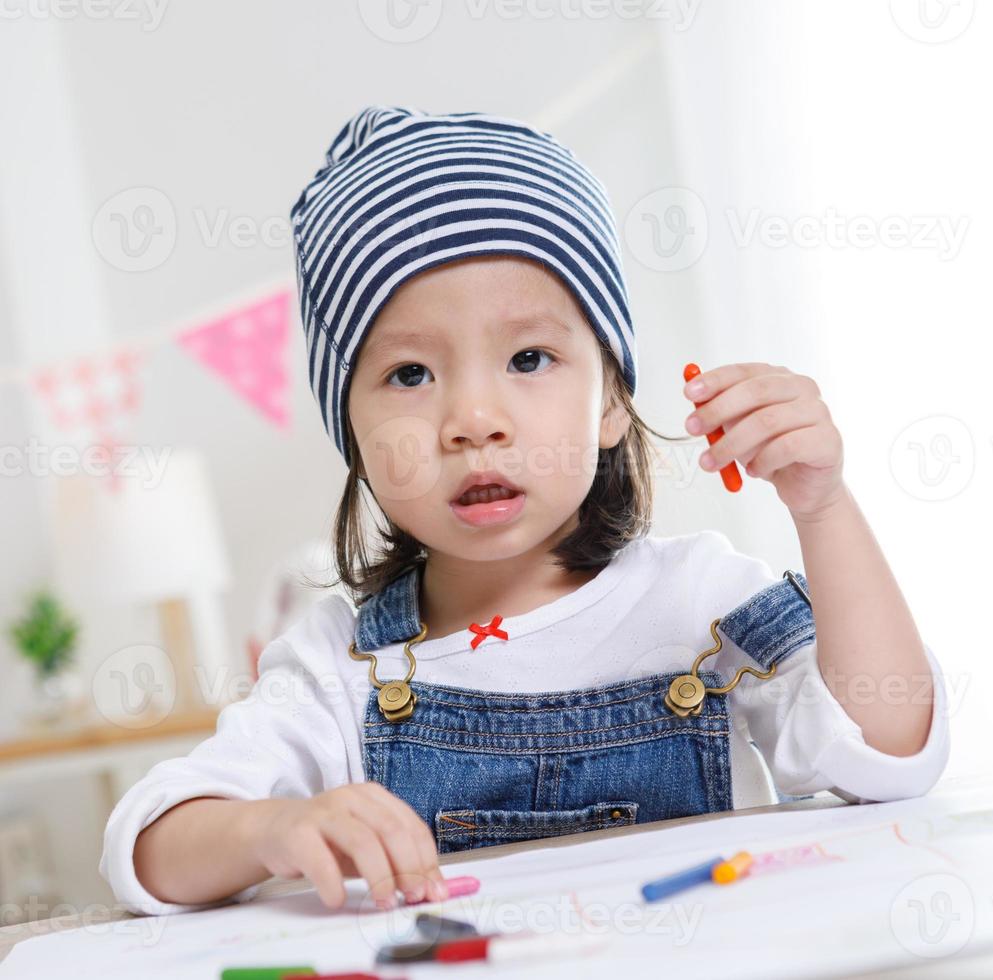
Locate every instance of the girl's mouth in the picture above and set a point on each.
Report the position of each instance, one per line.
(491, 505)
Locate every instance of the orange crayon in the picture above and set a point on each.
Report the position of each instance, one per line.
(729, 473)
(732, 869)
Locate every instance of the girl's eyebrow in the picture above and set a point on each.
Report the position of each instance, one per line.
(518, 325)
(417, 339)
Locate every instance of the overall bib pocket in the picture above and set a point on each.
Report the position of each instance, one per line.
(484, 768)
(457, 830)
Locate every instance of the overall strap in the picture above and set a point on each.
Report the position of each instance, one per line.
(391, 615)
(774, 622)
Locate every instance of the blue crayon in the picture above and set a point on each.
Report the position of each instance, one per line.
(696, 875)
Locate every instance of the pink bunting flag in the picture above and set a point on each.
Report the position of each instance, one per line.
(246, 347)
(92, 397)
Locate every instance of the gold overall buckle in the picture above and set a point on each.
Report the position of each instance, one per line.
(687, 692)
(396, 699)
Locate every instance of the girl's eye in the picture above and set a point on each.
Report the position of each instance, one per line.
(410, 374)
(528, 362)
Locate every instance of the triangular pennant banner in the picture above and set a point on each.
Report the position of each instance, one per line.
(91, 397)
(246, 349)
(89, 393)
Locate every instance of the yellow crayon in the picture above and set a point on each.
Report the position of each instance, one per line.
(731, 870)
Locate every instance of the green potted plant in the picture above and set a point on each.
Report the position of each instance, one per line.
(46, 637)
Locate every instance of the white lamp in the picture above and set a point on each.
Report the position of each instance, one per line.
(151, 536)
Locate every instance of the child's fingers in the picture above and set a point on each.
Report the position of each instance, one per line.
(722, 408)
(427, 851)
(427, 848)
(758, 429)
(361, 843)
(396, 830)
(310, 856)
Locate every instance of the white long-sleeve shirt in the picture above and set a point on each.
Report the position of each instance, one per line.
(299, 730)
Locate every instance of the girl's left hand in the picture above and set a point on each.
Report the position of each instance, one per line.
(776, 423)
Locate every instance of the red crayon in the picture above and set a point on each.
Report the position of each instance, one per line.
(729, 474)
(332, 976)
(518, 946)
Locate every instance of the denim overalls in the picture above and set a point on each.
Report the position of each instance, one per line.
(485, 768)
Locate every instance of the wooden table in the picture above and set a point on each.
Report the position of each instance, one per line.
(45, 744)
(99, 747)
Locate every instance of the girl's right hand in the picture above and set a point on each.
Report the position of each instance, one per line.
(359, 829)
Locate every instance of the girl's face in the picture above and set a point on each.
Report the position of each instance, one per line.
(485, 363)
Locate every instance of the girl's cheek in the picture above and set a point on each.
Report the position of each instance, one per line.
(401, 459)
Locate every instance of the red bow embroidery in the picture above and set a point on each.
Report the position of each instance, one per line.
(485, 631)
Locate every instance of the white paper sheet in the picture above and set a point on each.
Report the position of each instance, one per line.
(883, 885)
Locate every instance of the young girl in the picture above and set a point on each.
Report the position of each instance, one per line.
(527, 660)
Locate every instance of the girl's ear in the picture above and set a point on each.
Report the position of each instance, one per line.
(614, 424)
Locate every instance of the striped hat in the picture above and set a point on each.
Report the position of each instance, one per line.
(403, 190)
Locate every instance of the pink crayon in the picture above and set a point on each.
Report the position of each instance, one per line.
(789, 857)
(457, 887)
(465, 885)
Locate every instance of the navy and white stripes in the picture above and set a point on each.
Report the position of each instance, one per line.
(403, 190)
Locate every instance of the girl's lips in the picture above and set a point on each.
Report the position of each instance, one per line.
(493, 512)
